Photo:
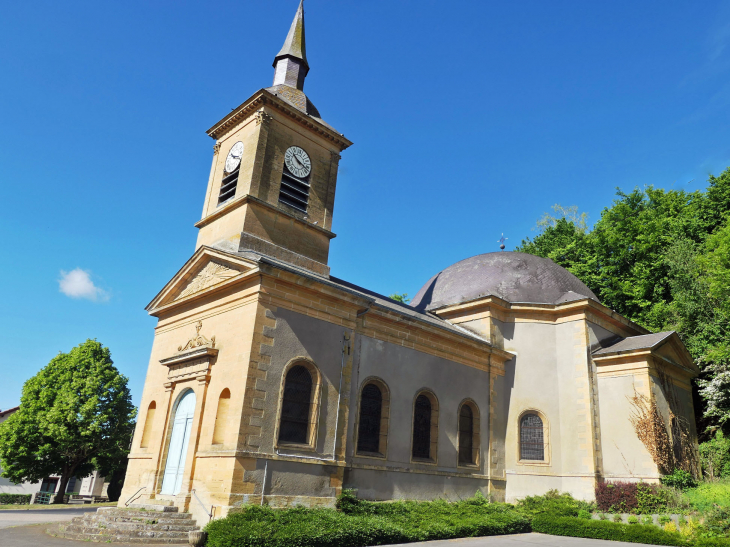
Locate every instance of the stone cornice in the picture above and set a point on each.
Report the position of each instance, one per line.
(265, 98)
(539, 311)
(248, 198)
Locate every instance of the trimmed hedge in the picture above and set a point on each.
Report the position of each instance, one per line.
(400, 522)
(601, 529)
(15, 499)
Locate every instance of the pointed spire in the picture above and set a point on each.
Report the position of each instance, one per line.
(291, 62)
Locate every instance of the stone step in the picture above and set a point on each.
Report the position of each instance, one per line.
(113, 539)
(113, 520)
(82, 529)
(145, 525)
(160, 506)
(117, 512)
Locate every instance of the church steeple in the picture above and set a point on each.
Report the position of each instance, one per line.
(290, 64)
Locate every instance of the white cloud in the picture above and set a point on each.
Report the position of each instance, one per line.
(78, 284)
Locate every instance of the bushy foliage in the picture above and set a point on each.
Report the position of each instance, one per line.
(601, 529)
(715, 456)
(631, 497)
(662, 259)
(15, 499)
(679, 479)
(359, 523)
(552, 503)
(709, 494)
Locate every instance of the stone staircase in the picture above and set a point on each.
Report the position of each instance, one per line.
(145, 524)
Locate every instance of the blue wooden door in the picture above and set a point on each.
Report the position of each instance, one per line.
(183, 423)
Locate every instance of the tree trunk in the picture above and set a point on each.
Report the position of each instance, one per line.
(66, 474)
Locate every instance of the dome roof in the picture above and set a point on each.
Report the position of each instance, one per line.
(514, 277)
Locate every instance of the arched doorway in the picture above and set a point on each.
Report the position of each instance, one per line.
(179, 439)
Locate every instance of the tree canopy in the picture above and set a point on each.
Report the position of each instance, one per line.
(662, 259)
(75, 415)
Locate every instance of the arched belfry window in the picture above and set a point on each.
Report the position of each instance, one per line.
(425, 427)
(371, 410)
(294, 426)
(532, 438)
(466, 435)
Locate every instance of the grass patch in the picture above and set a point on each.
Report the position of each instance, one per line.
(54, 506)
(358, 523)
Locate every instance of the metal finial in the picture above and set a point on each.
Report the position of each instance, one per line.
(501, 242)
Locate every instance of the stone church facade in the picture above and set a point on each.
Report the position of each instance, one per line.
(272, 381)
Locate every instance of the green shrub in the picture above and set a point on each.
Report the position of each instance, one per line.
(715, 456)
(15, 499)
(679, 479)
(553, 502)
(633, 519)
(360, 523)
(717, 520)
(583, 514)
(647, 519)
(664, 519)
(617, 518)
(603, 516)
(709, 494)
(650, 498)
(596, 529)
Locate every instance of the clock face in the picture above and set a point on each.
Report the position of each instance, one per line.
(298, 162)
(234, 157)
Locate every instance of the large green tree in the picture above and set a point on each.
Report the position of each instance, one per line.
(662, 259)
(75, 415)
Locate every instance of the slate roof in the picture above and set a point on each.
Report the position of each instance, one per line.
(295, 45)
(376, 299)
(633, 343)
(514, 277)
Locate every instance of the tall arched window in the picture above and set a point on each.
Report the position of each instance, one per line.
(422, 427)
(371, 408)
(466, 435)
(148, 421)
(532, 440)
(221, 417)
(296, 406)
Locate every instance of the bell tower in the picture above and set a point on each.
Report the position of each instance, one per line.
(272, 184)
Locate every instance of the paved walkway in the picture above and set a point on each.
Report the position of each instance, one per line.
(19, 517)
(33, 536)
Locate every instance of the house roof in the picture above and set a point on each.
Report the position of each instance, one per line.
(634, 343)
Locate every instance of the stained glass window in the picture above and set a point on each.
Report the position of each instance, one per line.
(422, 428)
(532, 445)
(295, 408)
(371, 407)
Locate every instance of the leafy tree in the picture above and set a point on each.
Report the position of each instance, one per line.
(400, 297)
(75, 415)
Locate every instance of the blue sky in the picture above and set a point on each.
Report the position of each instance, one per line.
(469, 118)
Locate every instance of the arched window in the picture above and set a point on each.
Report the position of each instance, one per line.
(425, 427)
(221, 417)
(466, 435)
(148, 421)
(532, 441)
(371, 409)
(296, 406)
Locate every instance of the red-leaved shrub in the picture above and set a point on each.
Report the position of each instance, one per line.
(617, 497)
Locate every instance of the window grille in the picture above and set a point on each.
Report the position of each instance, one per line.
(295, 407)
(294, 191)
(228, 187)
(422, 428)
(466, 435)
(371, 407)
(532, 445)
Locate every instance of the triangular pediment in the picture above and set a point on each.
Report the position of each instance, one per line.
(208, 270)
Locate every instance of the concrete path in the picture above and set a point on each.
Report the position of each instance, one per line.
(19, 517)
(521, 540)
(35, 536)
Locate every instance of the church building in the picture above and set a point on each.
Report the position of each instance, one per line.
(272, 381)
